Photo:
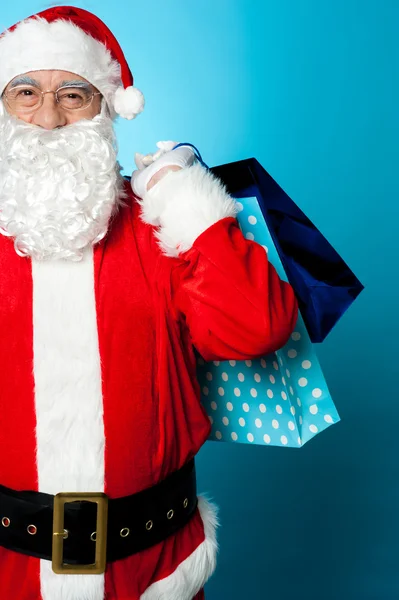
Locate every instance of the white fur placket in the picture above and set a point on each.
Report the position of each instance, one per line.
(68, 396)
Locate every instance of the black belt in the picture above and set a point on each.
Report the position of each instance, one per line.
(95, 530)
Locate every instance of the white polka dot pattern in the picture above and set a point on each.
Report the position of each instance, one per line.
(279, 400)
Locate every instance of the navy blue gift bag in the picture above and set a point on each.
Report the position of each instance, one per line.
(324, 284)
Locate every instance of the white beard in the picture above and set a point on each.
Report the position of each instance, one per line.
(58, 188)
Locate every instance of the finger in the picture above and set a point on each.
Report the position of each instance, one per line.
(138, 159)
(157, 154)
(148, 160)
(161, 145)
(166, 146)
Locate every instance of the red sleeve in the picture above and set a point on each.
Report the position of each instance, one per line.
(234, 303)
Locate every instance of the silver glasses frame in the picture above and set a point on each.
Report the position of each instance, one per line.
(35, 108)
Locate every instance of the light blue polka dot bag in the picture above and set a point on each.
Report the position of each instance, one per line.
(279, 400)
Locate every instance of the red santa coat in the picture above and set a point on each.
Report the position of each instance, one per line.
(98, 387)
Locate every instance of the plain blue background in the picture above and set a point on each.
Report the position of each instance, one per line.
(310, 88)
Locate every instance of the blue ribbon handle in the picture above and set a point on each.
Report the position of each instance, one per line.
(196, 152)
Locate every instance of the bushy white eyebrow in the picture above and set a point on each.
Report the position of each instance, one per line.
(77, 83)
(24, 80)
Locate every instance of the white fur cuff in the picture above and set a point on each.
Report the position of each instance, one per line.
(184, 204)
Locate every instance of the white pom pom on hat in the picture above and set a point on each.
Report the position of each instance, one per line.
(128, 102)
(67, 38)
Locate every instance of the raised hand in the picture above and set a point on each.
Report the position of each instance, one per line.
(151, 168)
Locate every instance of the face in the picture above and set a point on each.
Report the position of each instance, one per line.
(51, 115)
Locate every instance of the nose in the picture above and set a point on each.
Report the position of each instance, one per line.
(49, 115)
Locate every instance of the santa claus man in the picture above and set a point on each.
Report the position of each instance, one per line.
(105, 291)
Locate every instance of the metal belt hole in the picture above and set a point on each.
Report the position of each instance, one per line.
(149, 525)
(124, 532)
(32, 529)
(5, 521)
(170, 514)
(93, 536)
(185, 503)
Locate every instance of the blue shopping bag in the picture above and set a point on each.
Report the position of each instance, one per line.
(324, 284)
(281, 399)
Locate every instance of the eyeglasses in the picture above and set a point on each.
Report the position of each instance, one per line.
(26, 98)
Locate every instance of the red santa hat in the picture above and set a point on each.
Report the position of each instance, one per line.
(71, 39)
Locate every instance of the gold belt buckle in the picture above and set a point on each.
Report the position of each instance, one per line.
(59, 533)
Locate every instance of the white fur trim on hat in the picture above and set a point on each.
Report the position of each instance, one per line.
(37, 45)
(129, 102)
